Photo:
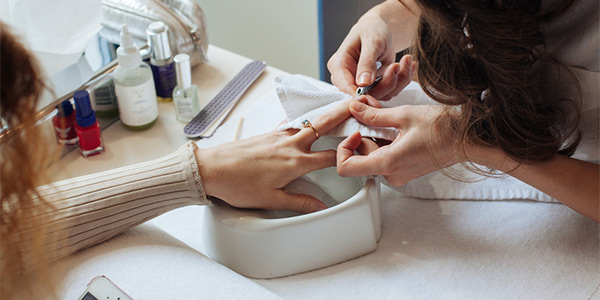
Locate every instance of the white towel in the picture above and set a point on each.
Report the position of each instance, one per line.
(302, 100)
(306, 98)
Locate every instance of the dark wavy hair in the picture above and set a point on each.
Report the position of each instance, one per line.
(488, 59)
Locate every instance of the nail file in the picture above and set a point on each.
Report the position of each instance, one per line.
(208, 120)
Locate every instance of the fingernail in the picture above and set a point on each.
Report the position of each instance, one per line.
(357, 106)
(364, 78)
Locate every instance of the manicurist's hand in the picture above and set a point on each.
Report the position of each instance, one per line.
(376, 37)
(251, 173)
(409, 156)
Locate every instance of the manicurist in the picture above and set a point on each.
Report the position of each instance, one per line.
(518, 84)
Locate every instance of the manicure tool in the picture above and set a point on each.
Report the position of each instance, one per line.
(206, 121)
(364, 89)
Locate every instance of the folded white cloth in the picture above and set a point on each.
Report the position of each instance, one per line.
(304, 98)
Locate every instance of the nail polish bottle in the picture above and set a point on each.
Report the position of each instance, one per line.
(64, 124)
(134, 86)
(87, 128)
(185, 94)
(161, 60)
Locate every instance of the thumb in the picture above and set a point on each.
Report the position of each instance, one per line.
(371, 116)
(366, 70)
(298, 202)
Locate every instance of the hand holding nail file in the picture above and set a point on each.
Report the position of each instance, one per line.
(206, 121)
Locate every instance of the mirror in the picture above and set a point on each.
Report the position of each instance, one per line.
(92, 72)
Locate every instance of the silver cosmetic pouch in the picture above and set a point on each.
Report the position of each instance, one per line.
(185, 18)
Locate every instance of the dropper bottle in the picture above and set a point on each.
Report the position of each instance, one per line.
(134, 86)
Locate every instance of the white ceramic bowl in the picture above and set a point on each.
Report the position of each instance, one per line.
(267, 244)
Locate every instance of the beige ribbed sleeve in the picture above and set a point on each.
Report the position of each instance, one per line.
(93, 208)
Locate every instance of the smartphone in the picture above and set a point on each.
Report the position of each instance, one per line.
(101, 288)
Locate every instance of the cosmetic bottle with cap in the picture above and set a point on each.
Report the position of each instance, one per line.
(64, 124)
(87, 128)
(161, 60)
(185, 94)
(134, 86)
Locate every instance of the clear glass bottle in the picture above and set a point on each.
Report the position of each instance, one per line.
(185, 94)
(134, 86)
(161, 60)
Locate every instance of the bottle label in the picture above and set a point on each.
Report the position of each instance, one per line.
(164, 79)
(137, 104)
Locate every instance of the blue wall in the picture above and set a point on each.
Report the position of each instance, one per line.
(336, 17)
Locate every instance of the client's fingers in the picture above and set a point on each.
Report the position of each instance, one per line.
(323, 124)
(297, 202)
(369, 100)
(319, 160)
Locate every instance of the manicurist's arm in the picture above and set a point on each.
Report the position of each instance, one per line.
(570, 181)
(573, 182)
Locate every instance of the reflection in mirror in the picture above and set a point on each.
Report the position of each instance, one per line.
(96, 56)
(91, 72)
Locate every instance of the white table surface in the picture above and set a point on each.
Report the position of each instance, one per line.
(428, 249)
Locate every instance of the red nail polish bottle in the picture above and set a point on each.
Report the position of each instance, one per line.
(64, 124)
(87, 128)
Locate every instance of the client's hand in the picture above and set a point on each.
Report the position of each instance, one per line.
(251, 173)
(418, 149)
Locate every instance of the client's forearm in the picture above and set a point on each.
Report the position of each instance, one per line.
(91, 209)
